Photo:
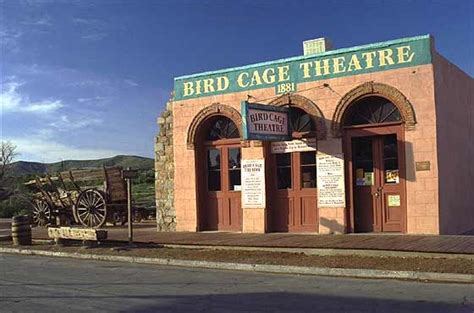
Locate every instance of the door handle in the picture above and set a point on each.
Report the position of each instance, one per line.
(380, 188)
(376, 194)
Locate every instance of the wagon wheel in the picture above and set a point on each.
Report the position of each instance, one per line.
(91, 208)
(41, 212)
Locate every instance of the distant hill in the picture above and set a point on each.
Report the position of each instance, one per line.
(21, 168)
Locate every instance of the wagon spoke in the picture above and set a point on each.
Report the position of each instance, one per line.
(41, 212)
(97, 201)
(83, 202)
(91, 208)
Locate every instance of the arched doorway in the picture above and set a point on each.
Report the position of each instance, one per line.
(293, 203)
(218, 175)
(375, 165)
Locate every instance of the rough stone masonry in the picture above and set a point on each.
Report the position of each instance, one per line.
(164, 172)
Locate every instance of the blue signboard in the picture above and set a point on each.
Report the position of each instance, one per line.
(265, 122)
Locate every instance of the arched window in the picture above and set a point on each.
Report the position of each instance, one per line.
(371, 110)
(222, 128)
(301, 121)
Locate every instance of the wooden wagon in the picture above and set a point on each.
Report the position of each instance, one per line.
(88, 197)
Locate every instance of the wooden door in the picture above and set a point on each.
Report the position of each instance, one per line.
(293, 203)
(377, 180)
(220, 207)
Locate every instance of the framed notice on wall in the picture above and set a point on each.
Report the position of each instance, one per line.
(253, 184)
(330, 173)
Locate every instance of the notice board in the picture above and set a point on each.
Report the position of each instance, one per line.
(330, 173)
(253, 184)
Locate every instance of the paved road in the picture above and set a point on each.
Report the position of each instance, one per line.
(40, 284)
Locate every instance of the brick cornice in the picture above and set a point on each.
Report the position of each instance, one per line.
(373, 89)
(309, 107)
(208, 112)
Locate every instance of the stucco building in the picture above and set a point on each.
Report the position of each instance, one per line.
(373, 138)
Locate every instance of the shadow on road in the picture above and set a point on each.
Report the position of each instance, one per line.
(293, 302)
(265, 302)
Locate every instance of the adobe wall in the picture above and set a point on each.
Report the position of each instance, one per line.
(416, 83)
(454, 92)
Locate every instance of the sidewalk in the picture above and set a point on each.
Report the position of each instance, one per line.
(434, 258)
(146, 233)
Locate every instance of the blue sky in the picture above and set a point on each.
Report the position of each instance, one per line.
(87, 79)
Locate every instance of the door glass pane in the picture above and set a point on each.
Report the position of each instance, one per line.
(234, 169)
(308, 157)
(283, 159)
(283, 164)
(390, 159)
(308, 169)
(213, 170)
(363, 161)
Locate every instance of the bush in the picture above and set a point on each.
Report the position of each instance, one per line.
(15, 205)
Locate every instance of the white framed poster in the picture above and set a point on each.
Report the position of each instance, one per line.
(330, 173)
(253, 184)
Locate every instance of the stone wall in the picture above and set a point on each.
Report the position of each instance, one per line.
(164, 172)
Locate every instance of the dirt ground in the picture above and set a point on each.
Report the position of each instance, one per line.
(438, 265)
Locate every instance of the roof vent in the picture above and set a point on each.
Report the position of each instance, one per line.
(315, 46)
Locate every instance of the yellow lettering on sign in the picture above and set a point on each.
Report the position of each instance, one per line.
(283, 73)
(209, 85)
(385, 57)
(338, 65)
(198, 87)
(354, 63)
(404, 55)
(268, 76)
(188, 89)
(305, 67)
(319, 67)
(240, 79)
(256, 80)
(222, 83)
(369, 58)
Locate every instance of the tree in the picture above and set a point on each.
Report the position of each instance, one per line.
(7, 155)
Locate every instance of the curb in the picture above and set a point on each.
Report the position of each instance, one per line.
(279, 269)
(313, 251)
(333, 252)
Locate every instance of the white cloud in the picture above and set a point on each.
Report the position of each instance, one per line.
(87, 21)
(43, 107)
(10, 40)
(91, 29)
(12, 101)
(131, 82)
(93, 99)
(94, 36)
(43, 149)
(64, 123)
(42, 21)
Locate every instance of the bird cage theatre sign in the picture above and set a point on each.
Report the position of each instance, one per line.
(271, 123)
(324, 143)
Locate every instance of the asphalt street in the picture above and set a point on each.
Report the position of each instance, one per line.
(42, 284)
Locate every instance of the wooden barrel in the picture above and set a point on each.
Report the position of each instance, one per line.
(21, 230)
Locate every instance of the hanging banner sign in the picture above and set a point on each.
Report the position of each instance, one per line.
(330, 172)
(264, 122)
(253, 184)
(296, 145)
